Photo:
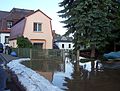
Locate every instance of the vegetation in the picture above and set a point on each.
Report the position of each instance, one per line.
(23, 42)
(92, 22)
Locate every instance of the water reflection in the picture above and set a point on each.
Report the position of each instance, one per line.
(77, 76)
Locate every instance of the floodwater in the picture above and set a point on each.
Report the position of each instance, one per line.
(76, 76)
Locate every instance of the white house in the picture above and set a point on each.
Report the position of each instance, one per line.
(4, 38)
(64, 42)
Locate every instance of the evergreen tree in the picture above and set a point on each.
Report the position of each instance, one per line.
(90, 21)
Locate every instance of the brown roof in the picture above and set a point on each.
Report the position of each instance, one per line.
(3, 14)
(31, 14)
(14, 15)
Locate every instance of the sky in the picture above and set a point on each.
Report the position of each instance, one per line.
(49, 7)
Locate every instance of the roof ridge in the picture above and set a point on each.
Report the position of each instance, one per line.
(42, 13)
(22, 9)
(4, 11)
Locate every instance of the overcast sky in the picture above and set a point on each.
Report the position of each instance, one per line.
(49, 7)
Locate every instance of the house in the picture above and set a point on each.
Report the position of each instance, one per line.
(36, 27)
(63, 42)
(8, 19)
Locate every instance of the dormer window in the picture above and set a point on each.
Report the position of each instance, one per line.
(9, 24)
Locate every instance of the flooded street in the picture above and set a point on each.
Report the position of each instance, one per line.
(77, 76)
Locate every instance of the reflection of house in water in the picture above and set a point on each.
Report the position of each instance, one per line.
(92, 80)
(72, 79)
(47, 67)
(47, 75)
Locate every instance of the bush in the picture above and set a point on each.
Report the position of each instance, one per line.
(23, 42)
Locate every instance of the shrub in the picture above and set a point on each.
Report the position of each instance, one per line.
(23, 42)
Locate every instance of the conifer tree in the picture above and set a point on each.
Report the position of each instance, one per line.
(90, 21)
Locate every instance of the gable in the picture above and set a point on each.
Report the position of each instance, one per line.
(25, 26)
(40, 14)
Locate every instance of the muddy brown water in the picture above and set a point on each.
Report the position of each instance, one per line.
(76, 76)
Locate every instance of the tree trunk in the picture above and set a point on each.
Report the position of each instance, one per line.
(77, 61)
(92, 64)
(114, 46)
(92, 51)
(78, 54)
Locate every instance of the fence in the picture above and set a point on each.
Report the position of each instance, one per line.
(36, 53)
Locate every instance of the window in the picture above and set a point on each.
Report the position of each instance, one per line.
(9, 24)
(69, 45)
(6, 39)
(37, 27)
(62, 45)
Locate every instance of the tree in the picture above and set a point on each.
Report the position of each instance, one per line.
(89, 21)
(115, 39)
(23, 42)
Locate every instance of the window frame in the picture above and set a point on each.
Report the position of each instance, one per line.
(9, 24)
(6, 39)
(37, 27)
(63, 46)
(69, 46)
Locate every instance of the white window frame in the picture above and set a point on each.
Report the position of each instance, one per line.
(9, 24)
(38, 27)
(6, 39)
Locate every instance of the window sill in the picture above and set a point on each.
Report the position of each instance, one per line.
(37, 31)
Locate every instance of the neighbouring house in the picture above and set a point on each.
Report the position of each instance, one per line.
(63, 42)
(8, 19)
(36, 27)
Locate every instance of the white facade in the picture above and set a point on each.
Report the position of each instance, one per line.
(64, 45)
(4, 38)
